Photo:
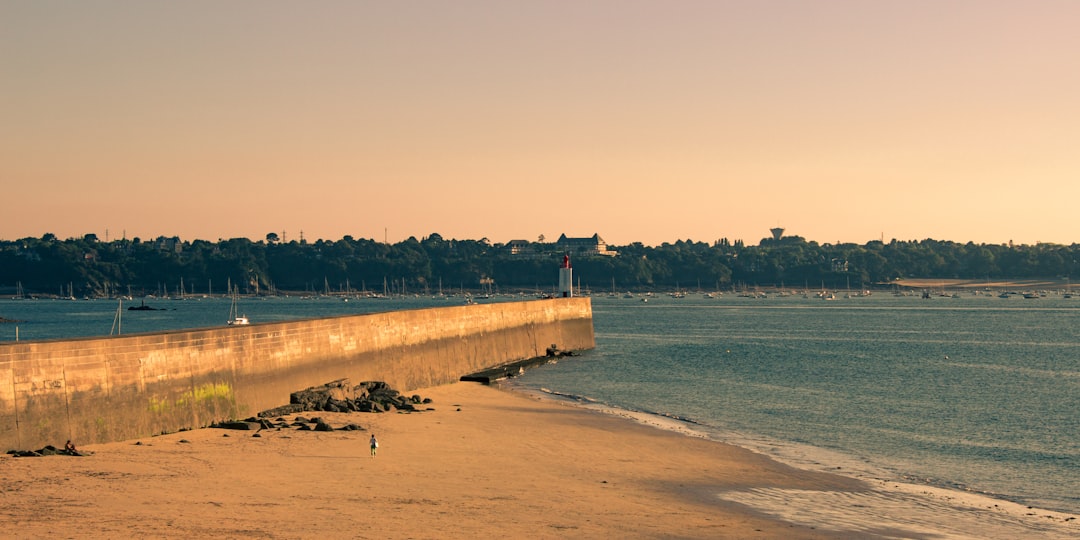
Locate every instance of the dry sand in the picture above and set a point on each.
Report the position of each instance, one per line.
(484, 463)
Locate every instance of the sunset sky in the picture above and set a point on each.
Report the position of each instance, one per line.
(649, 121)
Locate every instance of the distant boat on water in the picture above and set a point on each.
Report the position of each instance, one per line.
(141, 307)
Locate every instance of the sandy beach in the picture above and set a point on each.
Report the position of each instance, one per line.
(483, 463)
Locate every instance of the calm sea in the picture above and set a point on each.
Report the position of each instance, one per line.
(977, 392)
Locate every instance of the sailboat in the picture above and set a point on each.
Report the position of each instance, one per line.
(234, 318)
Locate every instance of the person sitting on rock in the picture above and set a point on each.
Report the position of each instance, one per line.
(69, 448)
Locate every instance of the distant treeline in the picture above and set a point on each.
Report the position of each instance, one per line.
(167, 266)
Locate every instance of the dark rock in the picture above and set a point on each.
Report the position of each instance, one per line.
(513, 369)
(291, 408)
(339, 396)
(250, 426)
(48, 450)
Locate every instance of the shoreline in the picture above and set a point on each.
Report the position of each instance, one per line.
(487, 461)
(884, 484)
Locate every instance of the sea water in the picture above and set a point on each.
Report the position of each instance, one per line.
(978, 393)
(48, 318)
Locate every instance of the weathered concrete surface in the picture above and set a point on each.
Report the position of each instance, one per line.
(124, 387)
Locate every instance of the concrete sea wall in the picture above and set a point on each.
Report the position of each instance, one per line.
(124, 387)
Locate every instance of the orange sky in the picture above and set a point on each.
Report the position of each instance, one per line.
(655, 121)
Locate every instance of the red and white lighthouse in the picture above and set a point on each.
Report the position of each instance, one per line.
(566, 278)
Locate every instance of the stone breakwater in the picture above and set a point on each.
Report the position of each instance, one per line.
(125, 387)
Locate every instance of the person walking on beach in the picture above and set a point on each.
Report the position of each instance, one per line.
(374, 444)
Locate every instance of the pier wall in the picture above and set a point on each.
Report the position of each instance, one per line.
(125, 387)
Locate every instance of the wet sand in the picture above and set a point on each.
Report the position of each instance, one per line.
(484, 463)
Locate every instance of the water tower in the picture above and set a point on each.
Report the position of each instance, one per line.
(777, 232)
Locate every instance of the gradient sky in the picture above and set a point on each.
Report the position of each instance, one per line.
(650, 121)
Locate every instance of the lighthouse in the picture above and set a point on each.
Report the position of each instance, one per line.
(566, 278)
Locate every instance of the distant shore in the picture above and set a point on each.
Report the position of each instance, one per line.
(1058, 284)
(1052, 284)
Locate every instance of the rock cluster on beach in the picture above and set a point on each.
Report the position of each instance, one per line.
(340, 396)
(335, 396)
(48, 450)
(299, 423)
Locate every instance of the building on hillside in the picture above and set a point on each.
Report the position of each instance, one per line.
(520, 247)
(593, 245)
(169, 244)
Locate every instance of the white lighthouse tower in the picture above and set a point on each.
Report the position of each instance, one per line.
(566, 278)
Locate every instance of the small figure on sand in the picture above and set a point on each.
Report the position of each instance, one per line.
(69, 448)
(374, 444)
